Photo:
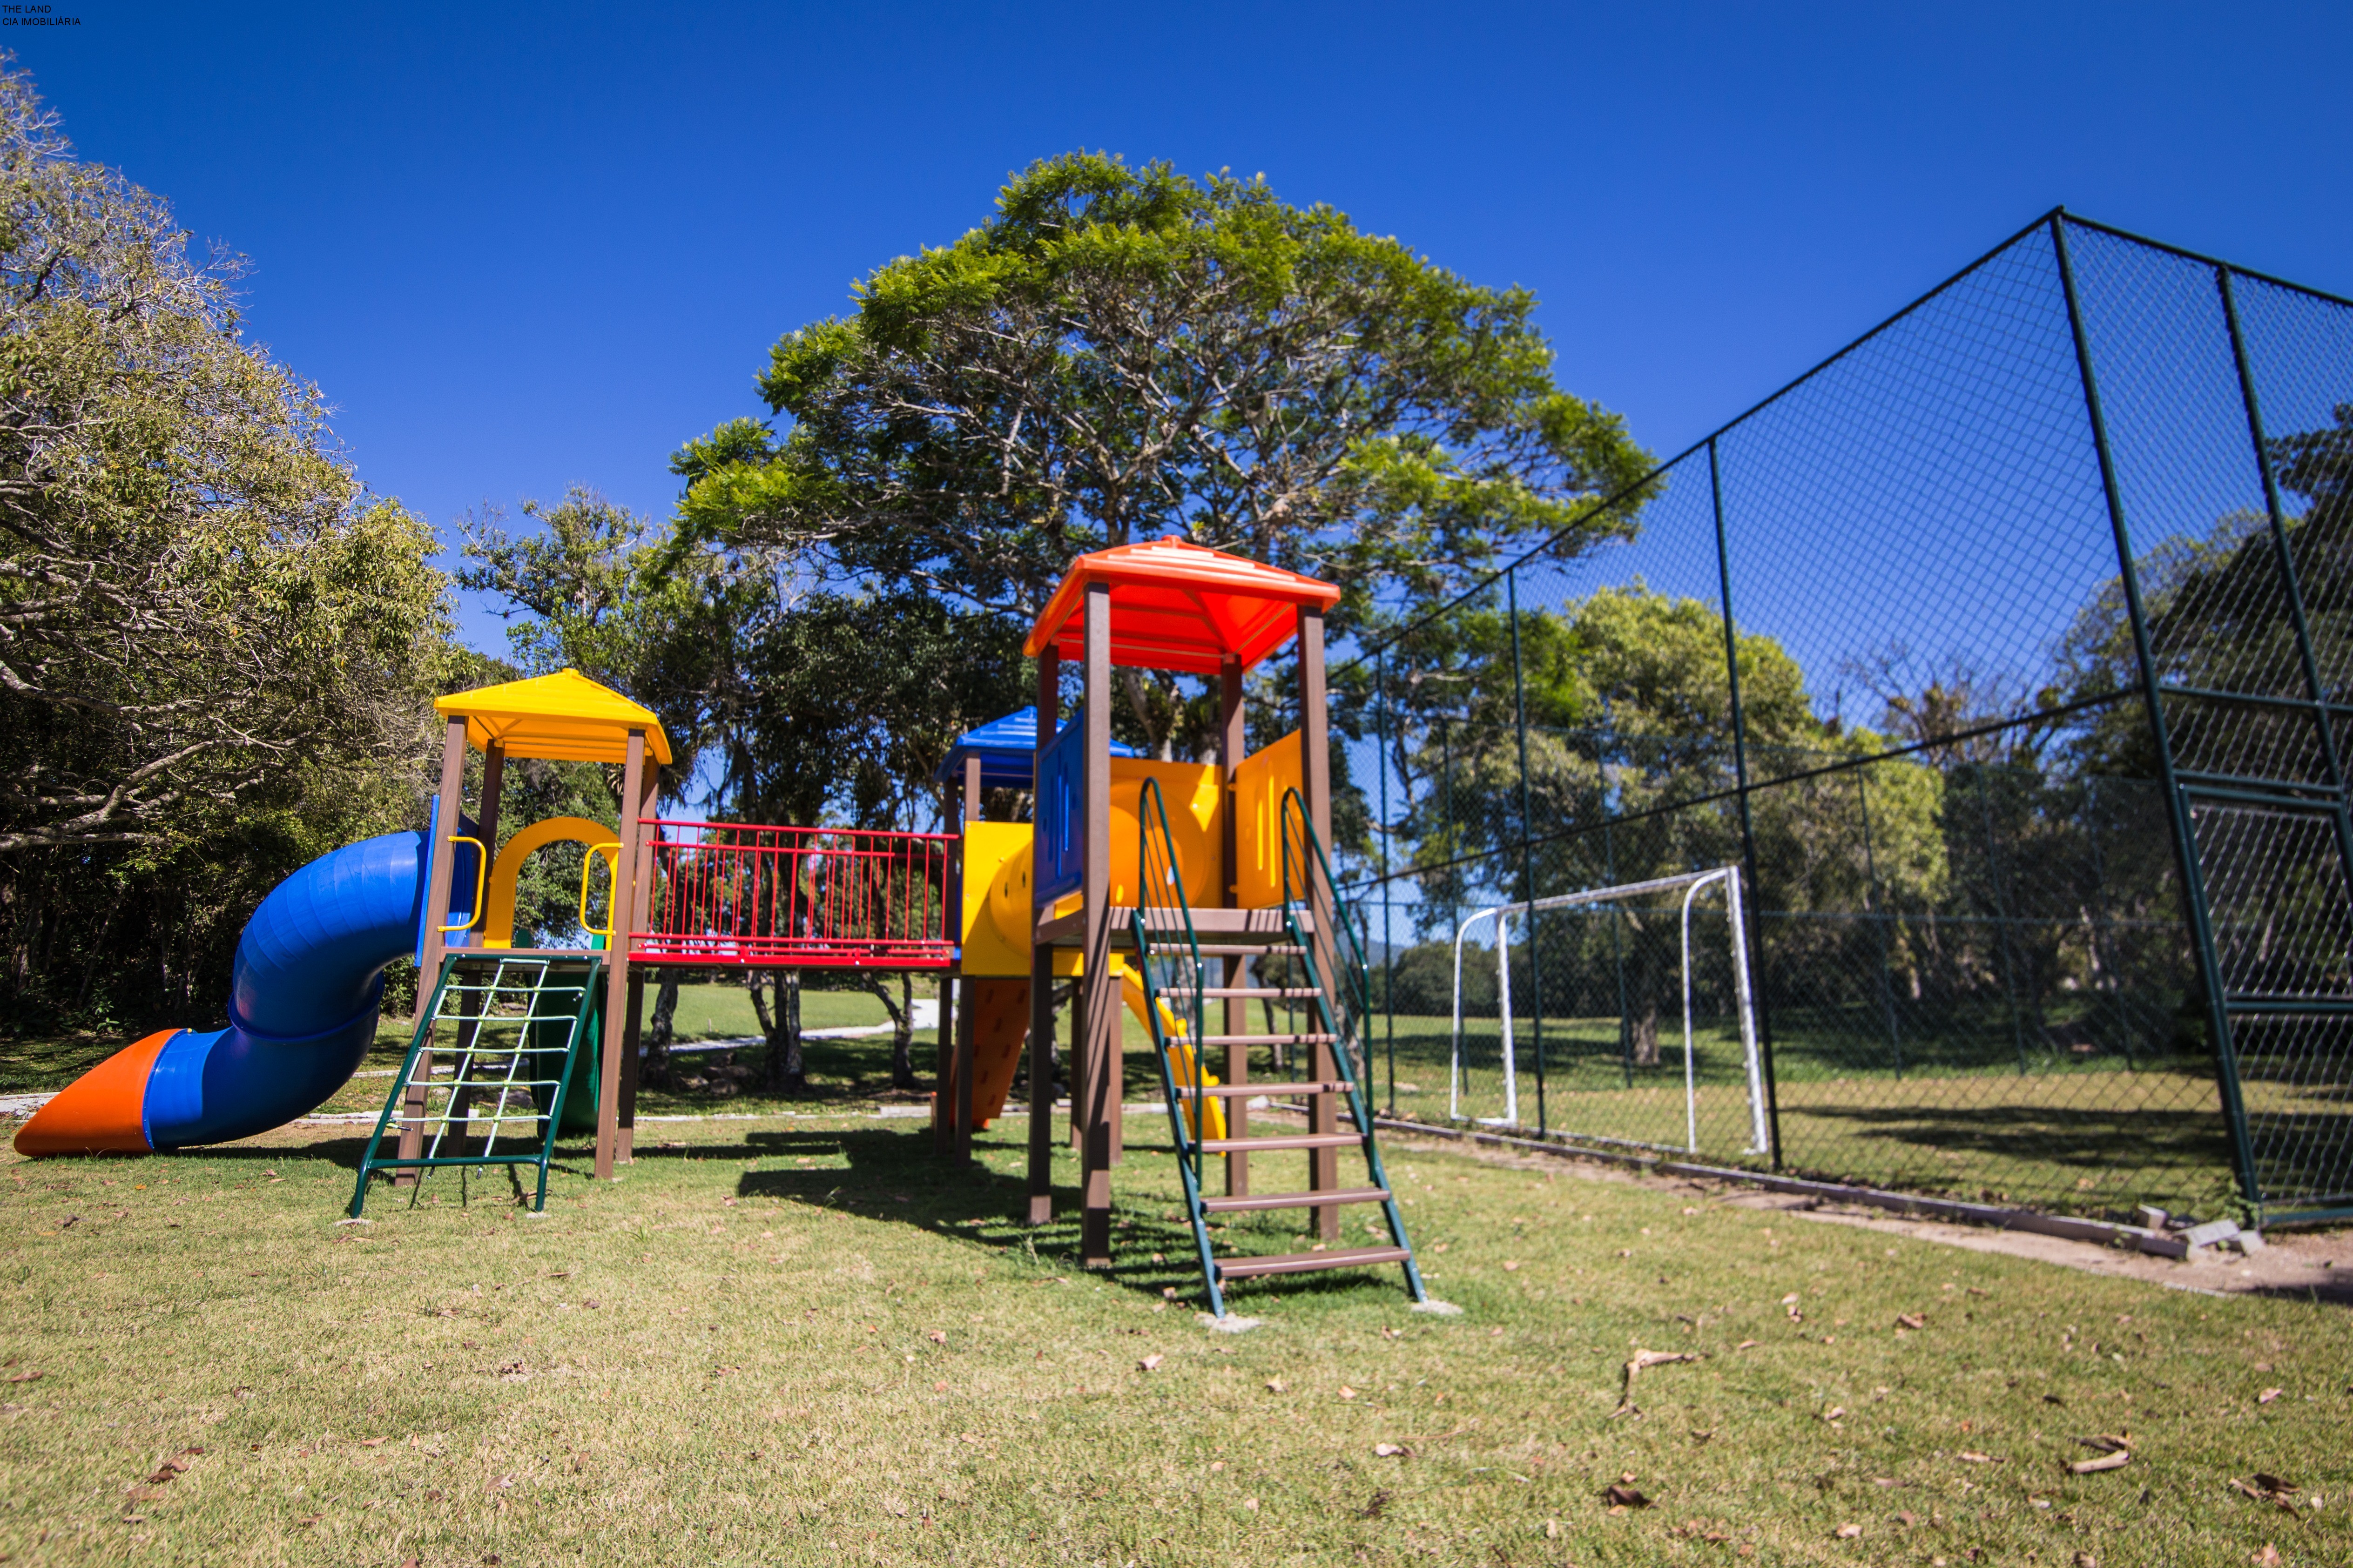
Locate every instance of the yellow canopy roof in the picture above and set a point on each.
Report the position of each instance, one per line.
(564, 717)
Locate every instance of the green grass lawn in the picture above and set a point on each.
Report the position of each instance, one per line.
(800, 1339)
(2097, 1136)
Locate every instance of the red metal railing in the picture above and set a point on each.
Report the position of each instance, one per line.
(818, 897)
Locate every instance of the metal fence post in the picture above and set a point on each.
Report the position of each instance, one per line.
(2177, 805)
(1389, 930)
(1752, 906)
(1527, 834)
(2288, 578)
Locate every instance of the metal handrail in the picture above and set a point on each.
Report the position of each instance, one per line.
(1157, 870)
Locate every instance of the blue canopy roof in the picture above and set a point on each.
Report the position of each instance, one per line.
(1007, 748)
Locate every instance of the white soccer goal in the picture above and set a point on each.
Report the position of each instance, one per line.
(1691, 883)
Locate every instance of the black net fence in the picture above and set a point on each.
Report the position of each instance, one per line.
(2006, 661)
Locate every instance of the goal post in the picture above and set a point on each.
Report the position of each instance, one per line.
(1691, 884)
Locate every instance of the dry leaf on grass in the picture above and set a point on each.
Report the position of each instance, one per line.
(1392, 1451)
(26, 1377)
(1276, 1386)
(2116, 1461)
(1621, 1497)
(1151, 1362)
(1911, 1321)
(2268, 1557)
(1847, 1532)
(2267, 1396)
(374, 1442)
(1747, 1344)
(936, 1337)
(1971, 1456)
(1642, 1358)
(1347, 1393)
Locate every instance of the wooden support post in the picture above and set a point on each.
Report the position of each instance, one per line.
(1099, 1011)
(1041, 973)
(1315, 785)
(1233, 745)
(440, 868)
(486, 820)
(617, 1011)
(641, 885)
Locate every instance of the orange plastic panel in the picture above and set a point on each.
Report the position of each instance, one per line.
(100, 1112)
(1177, 605)
(1000, 1026)
(1190, 793)
(1260, 784)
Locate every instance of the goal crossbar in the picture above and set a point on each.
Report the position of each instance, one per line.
(1691, 883)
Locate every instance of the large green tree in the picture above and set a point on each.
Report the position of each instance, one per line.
(1121, 353)
(217, 652)
(199, 610)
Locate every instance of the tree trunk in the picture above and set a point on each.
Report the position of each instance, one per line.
(1646, 1038)
(787, 1073)
(655, 1072)
(902, 1034)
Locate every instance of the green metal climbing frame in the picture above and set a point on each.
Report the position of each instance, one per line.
(517, 1024)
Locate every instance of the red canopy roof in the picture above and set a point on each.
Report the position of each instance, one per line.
(1176, 605)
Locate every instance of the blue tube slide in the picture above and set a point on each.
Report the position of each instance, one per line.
(307, 993)
(303, 1004)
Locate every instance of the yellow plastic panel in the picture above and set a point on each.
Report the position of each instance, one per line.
(997, 921)
(1260, 785)
(498, 929)
(1189, 791)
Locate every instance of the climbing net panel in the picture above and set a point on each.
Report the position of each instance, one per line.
(492, 1061)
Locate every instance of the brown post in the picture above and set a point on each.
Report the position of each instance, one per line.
(952, 1093)
(1233, 745)
(641, 883)
(437, 902)
(1041, 971)
(1101, 1008)
(1315, 781)
(486, 828)
(617, 1011)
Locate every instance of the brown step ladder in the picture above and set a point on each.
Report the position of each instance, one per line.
(1177, 980)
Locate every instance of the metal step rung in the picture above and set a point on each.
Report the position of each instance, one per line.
(1303, 1262)
(1268, 1039)
(1271, 1087)
(1255, 1200)
(1283, 1140)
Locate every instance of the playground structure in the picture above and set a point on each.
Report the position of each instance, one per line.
(1157, 885)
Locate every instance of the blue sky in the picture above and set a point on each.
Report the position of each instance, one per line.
(526, 246)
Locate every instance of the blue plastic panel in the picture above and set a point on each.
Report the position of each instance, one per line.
(1062, 815)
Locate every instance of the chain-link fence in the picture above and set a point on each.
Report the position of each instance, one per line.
(1954, 560)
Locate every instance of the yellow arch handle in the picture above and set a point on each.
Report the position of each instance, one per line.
(588, 868)
(498, 926)
(481, 867)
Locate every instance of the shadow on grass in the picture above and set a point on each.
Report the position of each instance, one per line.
(2029, 1133)
(895, 1176)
